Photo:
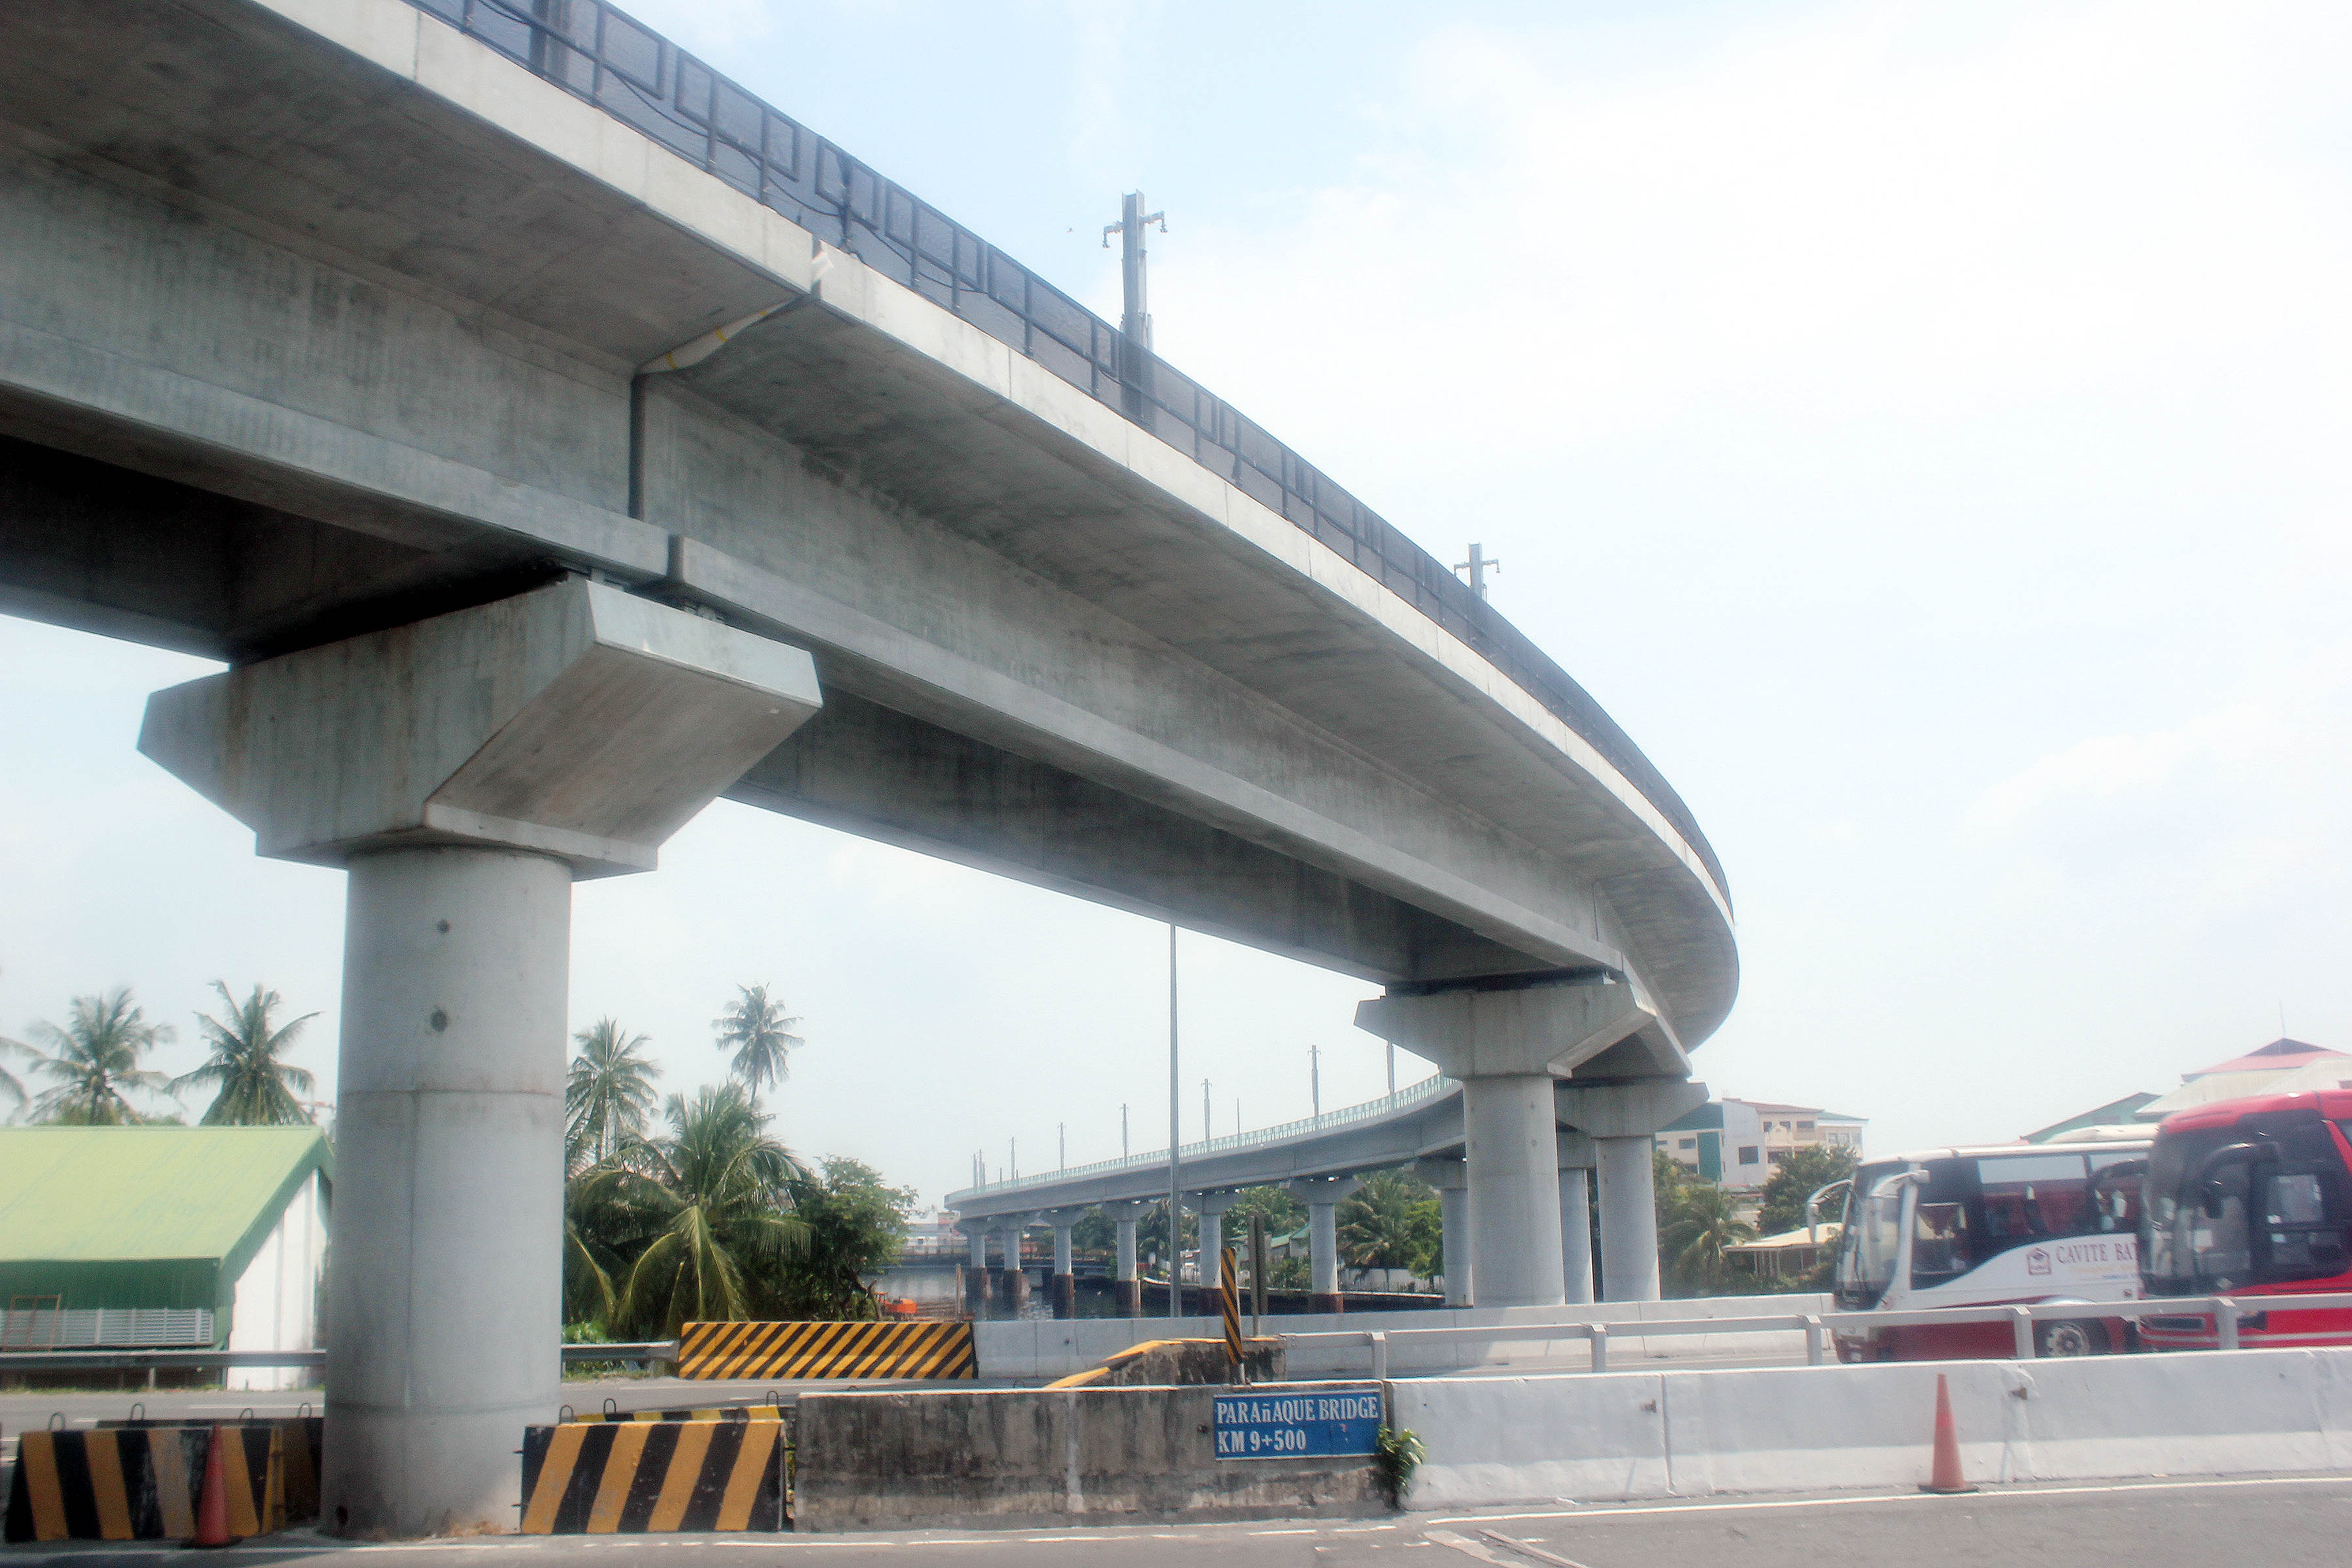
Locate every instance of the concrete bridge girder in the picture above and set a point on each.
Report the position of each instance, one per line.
(1057, 551)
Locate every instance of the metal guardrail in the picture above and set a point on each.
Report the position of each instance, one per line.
(1156, 1160)
(596, 53)
(145, 1361)
(1819, 1327)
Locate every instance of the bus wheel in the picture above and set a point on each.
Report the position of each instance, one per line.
(2071, 1336)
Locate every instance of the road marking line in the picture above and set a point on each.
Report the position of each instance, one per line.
(1309, 1529)
(1467, 1547)
(1528, 1549)
(2023, 1492)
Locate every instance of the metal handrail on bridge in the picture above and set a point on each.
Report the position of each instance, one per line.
(1817, 1327)
(599, 54)
(1404, 1098)
(314, 1359)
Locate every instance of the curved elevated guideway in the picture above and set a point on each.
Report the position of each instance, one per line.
(552, 438)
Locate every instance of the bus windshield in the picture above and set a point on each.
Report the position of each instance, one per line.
(2264, 1201)
(1872, 1234)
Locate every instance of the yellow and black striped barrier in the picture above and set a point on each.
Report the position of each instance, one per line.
(934, 1350)
(141, 1483)
(614, 1478)
(1229, 1300)
(711, 1413)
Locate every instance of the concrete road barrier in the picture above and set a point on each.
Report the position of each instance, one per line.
(619, 1478)
(141, 1483)
(930, 1350)
(1650, 1433)
(707, 1413)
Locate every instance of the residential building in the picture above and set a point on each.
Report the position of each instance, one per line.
(1738, 1141)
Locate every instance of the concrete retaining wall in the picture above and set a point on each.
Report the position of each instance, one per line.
(1695, 1433)
(1047, 1348)
(1018, 1455)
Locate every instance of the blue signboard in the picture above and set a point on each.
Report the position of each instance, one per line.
(1297, 1424)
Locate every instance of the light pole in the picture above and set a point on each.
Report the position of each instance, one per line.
(1391, 1070)
(1314, 1077)
(1478, 566)
(1123, 1150)
(1175, 1200)
(1135, 322)
(1012, 1157)
(1062, 1138)
(1208, 1122)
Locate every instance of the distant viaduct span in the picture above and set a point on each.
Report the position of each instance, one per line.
(550, 437)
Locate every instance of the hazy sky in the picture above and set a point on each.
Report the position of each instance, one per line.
(1923, 425)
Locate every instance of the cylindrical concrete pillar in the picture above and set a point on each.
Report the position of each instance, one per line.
(1064, 1292)
(1453, 1225)
(445, 1304)
(1629, 1220)
(1323, 1258)
(1130, 1288)
(1512, 1134)
(1016, 1276)
(975, 1277)
(1576, 1232)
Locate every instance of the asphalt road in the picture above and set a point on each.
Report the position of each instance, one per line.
(2266, 1522)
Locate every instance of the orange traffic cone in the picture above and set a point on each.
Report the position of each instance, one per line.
(1947, 1478)
(212, 1502)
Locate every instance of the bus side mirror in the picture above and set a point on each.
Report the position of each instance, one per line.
(2209, 1197)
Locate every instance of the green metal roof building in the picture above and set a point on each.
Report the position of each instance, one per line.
(153, 1236)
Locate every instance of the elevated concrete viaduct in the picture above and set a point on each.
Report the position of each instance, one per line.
(336, 336)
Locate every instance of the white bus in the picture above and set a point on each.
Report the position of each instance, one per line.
(2010, 1225)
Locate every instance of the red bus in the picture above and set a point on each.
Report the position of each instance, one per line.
(2012, 1224)
(2251, 1198)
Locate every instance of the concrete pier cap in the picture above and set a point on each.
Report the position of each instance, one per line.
(465, 770)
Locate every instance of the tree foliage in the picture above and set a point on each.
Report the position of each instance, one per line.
(1706, 1220)
(609, 1098)
(857, 1223)
(1391, 1222)
(708, 1202)
(1799, 1175)
(757, 1029)
(252, 1087)
(93, 1060)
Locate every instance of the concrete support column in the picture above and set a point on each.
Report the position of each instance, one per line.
(1451, 1180)
(1323, 1197)
(975, 1274)
(1576, 1233)
(1623, 1120)
(1129, 1289)
(449, 1155)
(1576, 1154)
(466, 769)
(1508, 1126)
(1017, 1278)
(1213, 1208)
(1064, 1290)
(1629, 1219)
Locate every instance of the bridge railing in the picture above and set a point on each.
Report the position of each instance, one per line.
(1820, 1328)
(1404, 1098)
(598, 53)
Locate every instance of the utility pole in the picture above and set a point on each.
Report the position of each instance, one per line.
(1062, 1135)
(1175, 1198)
(1478, 566)
(1237, 1116)
(1123, 1150)
(1135, 320)
(1391, 1068)
(1208, 1122)
(1314, 1076)
(1013, 1156)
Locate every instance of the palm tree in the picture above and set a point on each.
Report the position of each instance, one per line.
(715, 1192)
(609, 1094)
(1705, 1221)
(1390, 1222)
(94, 1059)
(256, 1090)
(762, 1036)
(12, 1088)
